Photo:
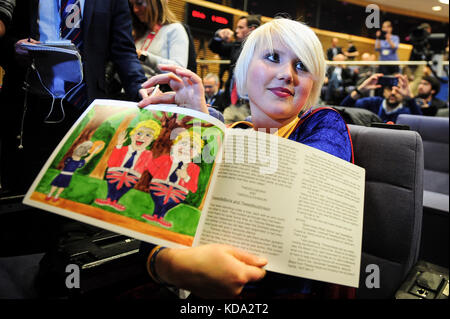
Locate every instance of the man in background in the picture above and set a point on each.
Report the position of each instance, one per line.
(428, 87)
(221, 45)
(334, 49)
(213, 95)
(396, 99)
(101, 31)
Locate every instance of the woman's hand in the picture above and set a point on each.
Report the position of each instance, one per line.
(188, 90)
(210, 271)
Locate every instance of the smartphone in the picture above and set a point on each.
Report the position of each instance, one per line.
(388, 80)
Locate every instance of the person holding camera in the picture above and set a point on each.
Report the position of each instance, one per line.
(222, 45)
(387, 44)
(397, 98)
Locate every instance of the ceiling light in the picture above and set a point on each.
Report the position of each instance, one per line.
(443, 1)
(436, 8)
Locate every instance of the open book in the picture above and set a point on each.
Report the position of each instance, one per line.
(179, 178)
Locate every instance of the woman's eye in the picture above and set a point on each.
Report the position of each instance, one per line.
(300, 66)
(273, 57)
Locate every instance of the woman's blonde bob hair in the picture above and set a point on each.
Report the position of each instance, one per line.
(294, 35)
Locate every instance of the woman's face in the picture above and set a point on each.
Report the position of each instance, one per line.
(278, 83)
(140, 9)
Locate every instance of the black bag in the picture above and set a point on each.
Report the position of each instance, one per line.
(108, 264)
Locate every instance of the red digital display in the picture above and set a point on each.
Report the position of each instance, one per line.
(198, 14)
(219, 19)
(207, 20)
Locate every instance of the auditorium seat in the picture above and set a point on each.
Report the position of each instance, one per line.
(393, 160)
(434, 132)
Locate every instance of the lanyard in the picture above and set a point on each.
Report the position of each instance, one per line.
(151, 35)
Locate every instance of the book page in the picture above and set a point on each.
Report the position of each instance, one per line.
(299, 207)
(143, 173)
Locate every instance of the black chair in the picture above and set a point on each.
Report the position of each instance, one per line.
(435, 236)
(393, 160)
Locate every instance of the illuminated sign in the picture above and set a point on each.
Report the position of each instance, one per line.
(207, 20)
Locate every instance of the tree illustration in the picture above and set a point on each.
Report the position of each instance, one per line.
(102, 165)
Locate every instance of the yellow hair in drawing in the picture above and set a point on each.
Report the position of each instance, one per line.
(192, 136)
(151, 124)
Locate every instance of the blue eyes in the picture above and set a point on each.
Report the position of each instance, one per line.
(300, 66)
(275, 58)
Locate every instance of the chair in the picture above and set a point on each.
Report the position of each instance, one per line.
(393, 160)
(434, 132)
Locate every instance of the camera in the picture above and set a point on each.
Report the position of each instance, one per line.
(382, 35)
(426, 44)
(388, 81)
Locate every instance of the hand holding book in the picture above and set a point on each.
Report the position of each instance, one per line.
(215, 270)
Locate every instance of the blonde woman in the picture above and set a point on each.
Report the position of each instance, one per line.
(281, 69)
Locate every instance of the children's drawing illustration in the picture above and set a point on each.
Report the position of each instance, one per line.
(138, 169)
(174, 175)
(127, 163)
(71, 164)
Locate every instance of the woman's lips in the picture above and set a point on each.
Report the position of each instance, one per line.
(281, 92)
(139, 143)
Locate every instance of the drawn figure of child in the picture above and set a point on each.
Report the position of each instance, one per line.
(174, 175)
(127, 163)
(71, 164)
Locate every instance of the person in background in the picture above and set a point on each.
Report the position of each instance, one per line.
(102, 33)
(351, 52)
(386, 44)
(221, 44)
(428, 87)
(339, 80)
(334, 49)
(159, 37)
(281, 69)
(396, 100)
(213, 95)
(365, 71)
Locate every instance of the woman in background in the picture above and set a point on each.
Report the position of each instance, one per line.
(159, 37)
